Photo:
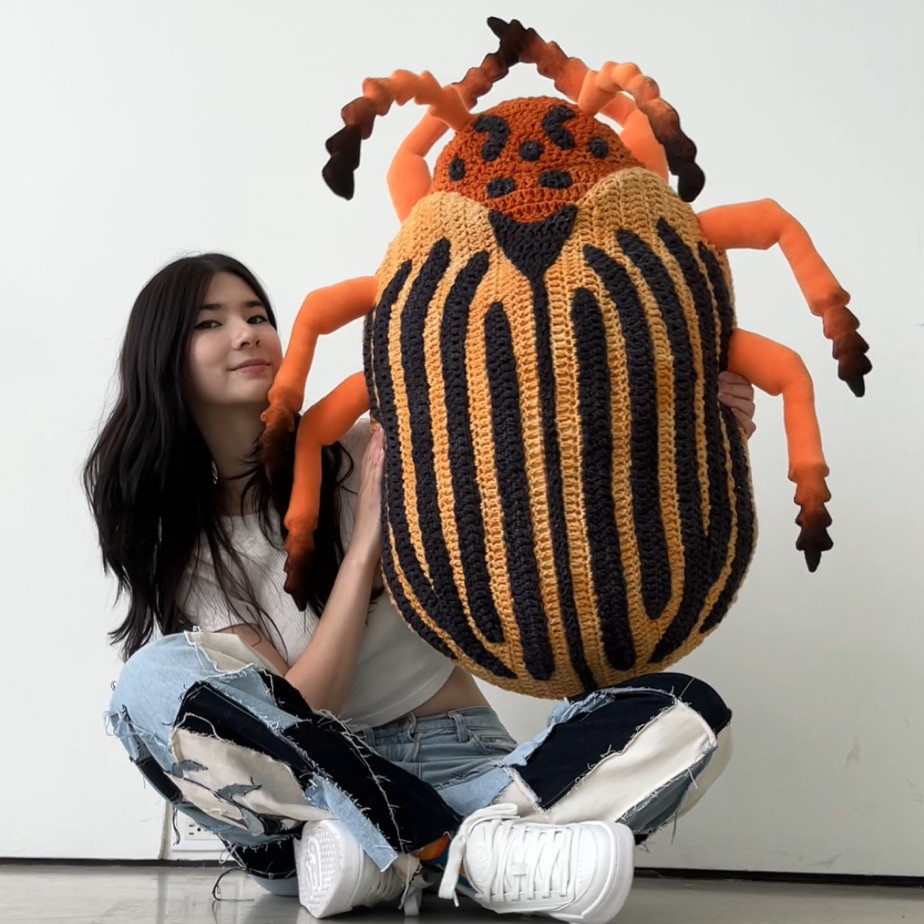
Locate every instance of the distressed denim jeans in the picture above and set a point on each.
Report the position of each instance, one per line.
(230, 743)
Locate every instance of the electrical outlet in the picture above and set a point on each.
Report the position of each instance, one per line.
(193, 837)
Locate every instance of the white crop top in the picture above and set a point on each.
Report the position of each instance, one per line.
(396, 670)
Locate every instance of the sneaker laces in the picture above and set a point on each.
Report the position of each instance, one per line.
(408, 868)
(530, 860)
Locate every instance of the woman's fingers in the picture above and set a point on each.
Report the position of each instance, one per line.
(377, 464)
(367, 532)
(735, 386)
(744, 422)
(374, 455)
(737, 393)
(738, 404)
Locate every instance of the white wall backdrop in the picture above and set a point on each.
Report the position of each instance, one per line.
(132, 132)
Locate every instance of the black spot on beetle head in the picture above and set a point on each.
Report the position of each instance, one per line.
(529, 157)
(498, 132)
(553, 124)
(501, 186)
(555, 179)
(531, 150)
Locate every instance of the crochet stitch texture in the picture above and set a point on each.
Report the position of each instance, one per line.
(568, 504)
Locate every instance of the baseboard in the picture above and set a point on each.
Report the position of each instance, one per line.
(730, 875)
(643, 872)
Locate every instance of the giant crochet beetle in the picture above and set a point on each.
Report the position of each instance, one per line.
(565, 502)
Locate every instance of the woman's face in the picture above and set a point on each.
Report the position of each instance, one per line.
(234, 351)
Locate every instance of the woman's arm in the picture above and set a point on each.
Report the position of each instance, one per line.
(322, 674)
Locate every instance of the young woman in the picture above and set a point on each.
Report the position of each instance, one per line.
(333, 751)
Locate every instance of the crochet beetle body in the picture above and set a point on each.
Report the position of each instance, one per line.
(566, 504)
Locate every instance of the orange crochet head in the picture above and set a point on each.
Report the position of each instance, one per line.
(529, 157)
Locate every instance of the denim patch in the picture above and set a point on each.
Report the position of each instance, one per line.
(232, 744)
(173, 685)
(460, 753)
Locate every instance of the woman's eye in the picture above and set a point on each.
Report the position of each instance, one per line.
(258, 319)
(206, 325)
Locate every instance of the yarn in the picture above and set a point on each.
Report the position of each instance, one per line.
(568, 504)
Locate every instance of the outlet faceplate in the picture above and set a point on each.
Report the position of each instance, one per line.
(194, 838)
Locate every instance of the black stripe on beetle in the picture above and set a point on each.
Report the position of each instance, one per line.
(513, 488)
(429, 519)
(644, 476)
(722, 299)
(466, 493)
(594, 390)
(744, 501)
(373, 334)
(717, 465)
(382, 389)
(696, 582)
(393, 497)
(533, 247)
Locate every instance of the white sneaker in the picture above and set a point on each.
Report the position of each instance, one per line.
(574, 872)
(335, 874)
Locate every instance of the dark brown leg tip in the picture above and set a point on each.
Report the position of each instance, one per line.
(813, 535)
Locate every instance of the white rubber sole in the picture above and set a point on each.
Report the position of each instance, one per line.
(613, 892)
(619, 884)
(321, 857)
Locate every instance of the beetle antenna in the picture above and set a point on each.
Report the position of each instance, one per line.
(613, 79)
(594, 92)
(597, 91)
(567, 73)
(496, 65)
(379, 93)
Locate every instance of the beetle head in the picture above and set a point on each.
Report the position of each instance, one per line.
(529, 157)
(485, 162)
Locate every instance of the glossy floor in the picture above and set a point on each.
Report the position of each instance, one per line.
(170, 895)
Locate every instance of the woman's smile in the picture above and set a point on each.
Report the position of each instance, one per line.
(253, 367)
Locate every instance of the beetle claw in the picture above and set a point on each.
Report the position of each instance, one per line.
(343, 148)
(299, 546)
(852, 362)
(847, 346)
(690, 181)
(813, 536)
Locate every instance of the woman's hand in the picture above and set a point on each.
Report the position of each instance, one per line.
(738, 394)
(366, 542)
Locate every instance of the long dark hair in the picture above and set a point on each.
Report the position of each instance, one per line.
(149, 475)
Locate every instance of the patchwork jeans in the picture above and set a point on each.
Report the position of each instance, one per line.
(231, 744)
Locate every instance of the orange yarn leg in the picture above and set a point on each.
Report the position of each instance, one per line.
(778, 370)
(321, 425)
(434, 850)
(409, 176)
(594, 94)
(322, 312)
(762, 224)
(636, 132)
(638, 137)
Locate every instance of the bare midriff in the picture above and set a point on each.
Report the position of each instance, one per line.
(458, 692)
